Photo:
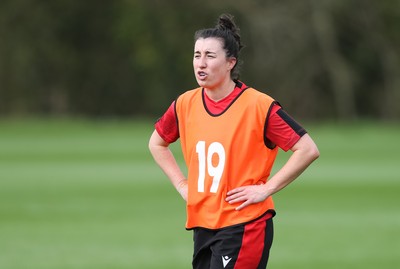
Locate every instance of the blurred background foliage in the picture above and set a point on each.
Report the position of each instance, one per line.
(322, 59)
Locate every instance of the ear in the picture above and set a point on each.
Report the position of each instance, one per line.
(231, 63)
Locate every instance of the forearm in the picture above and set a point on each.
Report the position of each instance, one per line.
(303, 155)
(167, 162)
(288, 173)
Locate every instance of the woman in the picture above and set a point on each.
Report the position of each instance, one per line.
(230, 135)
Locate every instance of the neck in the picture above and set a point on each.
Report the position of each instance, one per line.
(220, 92)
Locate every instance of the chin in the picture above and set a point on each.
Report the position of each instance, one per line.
(202, 83)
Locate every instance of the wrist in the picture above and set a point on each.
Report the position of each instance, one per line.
(268, 190)
(182, 188)
(181, 184)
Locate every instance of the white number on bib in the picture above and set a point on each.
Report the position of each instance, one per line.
(214, 171)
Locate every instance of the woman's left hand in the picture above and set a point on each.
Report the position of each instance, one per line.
(247, 194)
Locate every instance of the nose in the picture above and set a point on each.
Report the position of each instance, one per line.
(202, 62)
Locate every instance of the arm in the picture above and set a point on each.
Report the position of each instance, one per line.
(166, 160)
(305, 151)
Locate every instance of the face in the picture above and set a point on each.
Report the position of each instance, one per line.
(211, 66)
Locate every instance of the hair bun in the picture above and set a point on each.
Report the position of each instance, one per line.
(225, 22)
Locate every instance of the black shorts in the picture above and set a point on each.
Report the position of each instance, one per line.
(238, 247)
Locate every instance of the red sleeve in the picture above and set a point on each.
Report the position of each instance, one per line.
(167, 125)
(282, 130)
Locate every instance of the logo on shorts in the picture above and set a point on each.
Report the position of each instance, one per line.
(225, 260)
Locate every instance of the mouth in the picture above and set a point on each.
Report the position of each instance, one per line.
(202, 75)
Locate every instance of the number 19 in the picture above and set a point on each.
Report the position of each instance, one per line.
(214, 171)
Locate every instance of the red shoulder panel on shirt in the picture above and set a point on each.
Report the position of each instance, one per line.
(282, 130)
(167, 126)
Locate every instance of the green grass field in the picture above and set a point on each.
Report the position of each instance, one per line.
(87, 195)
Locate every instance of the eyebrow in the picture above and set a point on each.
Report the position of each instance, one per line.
(207, 52)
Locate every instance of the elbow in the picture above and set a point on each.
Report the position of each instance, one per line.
(152, 143)
(313, 153)
(156, 143)
(316, 154)
(307, 149)
(312, 150)
(150, 147)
